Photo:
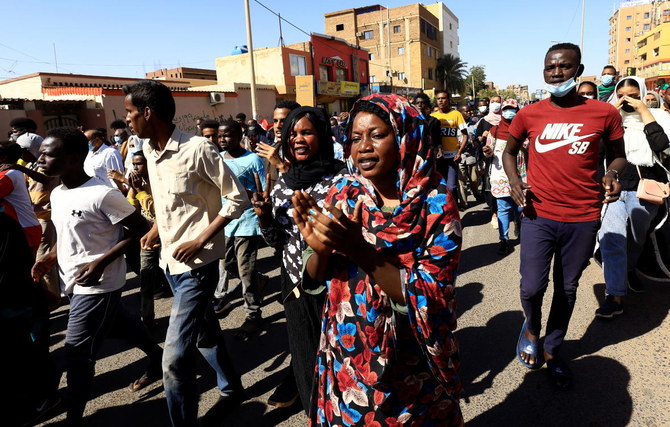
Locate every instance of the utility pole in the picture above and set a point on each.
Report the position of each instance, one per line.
(254, 111)
(473, 86)
(581, 40)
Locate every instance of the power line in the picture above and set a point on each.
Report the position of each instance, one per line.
(282, 18)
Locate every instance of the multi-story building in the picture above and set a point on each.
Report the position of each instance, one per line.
(629, 26)
(653, 52)
(325, 71)
(403, 42)
(521, 91)
(628, 22)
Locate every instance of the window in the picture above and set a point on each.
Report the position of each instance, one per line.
(371, 56)
(627, 28)
(298, 65)
(628, 39)
(629, 17)
(450, 26)
(401, 51)
(627, 61)
(373, 79)
(401, 76)
(646, 15)
(430, 74)
(430, 51)
(666, 12)
(655, 51)
(429, 30)
(627, 51)
(339, 27)
(324, 72)
(451, 44)
(369, 34)
(647, 27)
(340, 74)
(396, 29)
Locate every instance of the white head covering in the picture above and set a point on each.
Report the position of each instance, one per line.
(638, 151)
(30, 142)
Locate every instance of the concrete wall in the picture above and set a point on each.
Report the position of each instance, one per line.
(190, 106)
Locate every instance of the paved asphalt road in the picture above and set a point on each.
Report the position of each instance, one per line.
(622, 367)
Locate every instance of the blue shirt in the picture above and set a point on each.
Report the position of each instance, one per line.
(244, 168)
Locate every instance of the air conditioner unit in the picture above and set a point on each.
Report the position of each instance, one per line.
(217, 98)
(359, 34)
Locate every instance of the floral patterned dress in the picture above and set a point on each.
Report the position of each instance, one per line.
(381, 364)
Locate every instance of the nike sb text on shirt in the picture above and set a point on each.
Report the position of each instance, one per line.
(563, 156)
(567, 134)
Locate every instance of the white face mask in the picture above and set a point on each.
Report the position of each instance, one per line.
(589, 96)
(495, 107)
(483, 108)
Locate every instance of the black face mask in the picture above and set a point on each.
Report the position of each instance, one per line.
(627, 107)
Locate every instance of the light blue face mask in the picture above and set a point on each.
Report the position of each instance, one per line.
(607, 79)
(561, 89)
(118, 139)
(91, 147)
(509, 113)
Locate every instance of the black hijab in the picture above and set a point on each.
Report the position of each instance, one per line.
(302, 175)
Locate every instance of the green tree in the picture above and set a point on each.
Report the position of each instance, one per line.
(478, 75)
(487, 93)
(450, 71)
(508, 94)
(505, 93)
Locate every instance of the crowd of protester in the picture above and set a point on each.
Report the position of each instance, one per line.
(361, 208)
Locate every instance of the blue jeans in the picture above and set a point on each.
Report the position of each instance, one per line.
(193, 325)
(570, 244)
(506, 209)
(622, 236)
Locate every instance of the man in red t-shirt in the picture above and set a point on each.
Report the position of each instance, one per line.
(561, 199)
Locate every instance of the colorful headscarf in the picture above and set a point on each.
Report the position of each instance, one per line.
(416, 170)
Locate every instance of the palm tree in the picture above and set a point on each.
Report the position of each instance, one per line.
(451, 72)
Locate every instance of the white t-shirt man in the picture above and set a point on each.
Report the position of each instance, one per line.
(87, 226)
(97, 164)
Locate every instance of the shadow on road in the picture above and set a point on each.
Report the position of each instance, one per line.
(468, 296)
(475, 218)
(486, 351)
(599, 398)
(478, 256)
(642, 314)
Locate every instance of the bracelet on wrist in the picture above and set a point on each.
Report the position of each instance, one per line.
(616, 173)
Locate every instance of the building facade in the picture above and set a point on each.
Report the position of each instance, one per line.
(54, 100)
(403, 42)
(325, 71)
(631, 20)
(630, 27)
(521, 92)
(182, 73)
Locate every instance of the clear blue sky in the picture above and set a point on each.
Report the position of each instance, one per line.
(129, 38)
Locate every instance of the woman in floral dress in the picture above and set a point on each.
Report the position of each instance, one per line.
(386, 245)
